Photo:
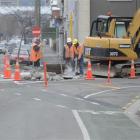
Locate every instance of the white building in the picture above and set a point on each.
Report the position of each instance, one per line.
(80, 11)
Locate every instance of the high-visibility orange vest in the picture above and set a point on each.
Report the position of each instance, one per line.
(78, 51)
(69, 52)
(34, 56)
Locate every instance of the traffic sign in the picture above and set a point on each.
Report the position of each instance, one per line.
(36, 31)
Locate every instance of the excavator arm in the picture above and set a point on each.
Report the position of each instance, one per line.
(134, 29)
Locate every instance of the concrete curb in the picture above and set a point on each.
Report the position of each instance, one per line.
(133, 112)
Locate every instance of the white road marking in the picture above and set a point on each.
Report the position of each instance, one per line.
(80, 99)
(63, 95)
(110, 112)
(105, 91)
(94, 103)
(81, 125)
(18, 94)
(100, 112)
(75, 98)
(5, 80)
(36, 99)
(61, 106)
(43, 90)
(18, 83)
(89, 111)
(26, 83)
(93, 94)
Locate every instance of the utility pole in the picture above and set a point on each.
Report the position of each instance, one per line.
(37, 12)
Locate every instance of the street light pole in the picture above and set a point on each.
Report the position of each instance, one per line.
(37, 12)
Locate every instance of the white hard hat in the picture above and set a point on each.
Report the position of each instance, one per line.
(69, 40)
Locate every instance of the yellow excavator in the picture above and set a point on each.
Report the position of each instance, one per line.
(115, 39)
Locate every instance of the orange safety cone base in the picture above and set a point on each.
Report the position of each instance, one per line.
(7, 76)
(17, 76)
(89, 75)
(7, 71)
(132, 71)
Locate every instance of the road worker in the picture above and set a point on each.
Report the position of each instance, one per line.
(35, 56)
(69, 53)
(78, 55)
(36, 53)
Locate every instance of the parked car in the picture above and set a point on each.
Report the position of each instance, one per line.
(24, 56)
(11, 47)
(2, 48)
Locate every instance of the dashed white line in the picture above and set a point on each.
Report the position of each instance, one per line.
(94, 103)
(63, 95)
(93, 94)
(100, 112)
(110, 112)
(61, 106)
(36, 99)
(80, 99)
(89, 111)
(26, 83)
(81, 125)
(104, 91)
(75, 98)
(43, 90)
(18, 94)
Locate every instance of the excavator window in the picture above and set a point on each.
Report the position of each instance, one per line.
(120, 30)
(93, 28)
(98, 26)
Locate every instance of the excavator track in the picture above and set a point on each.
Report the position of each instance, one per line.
(118, 70)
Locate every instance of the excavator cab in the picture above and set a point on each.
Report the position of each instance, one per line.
(99, 26)
(105, 32)
(113, 26)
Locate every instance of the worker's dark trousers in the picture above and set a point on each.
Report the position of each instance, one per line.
(37, 63)
(81, 65)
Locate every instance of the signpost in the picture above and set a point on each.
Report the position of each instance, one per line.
(36, 31)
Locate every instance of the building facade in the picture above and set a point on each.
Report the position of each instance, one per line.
(85, 11)
(9, 2)
(79, 10)
(116, 7)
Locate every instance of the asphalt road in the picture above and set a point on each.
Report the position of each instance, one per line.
(69, 110)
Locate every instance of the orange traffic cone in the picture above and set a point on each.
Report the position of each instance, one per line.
(132, 70)
(7, 69)
(17, 76)
(89, 75)
(108, 73)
